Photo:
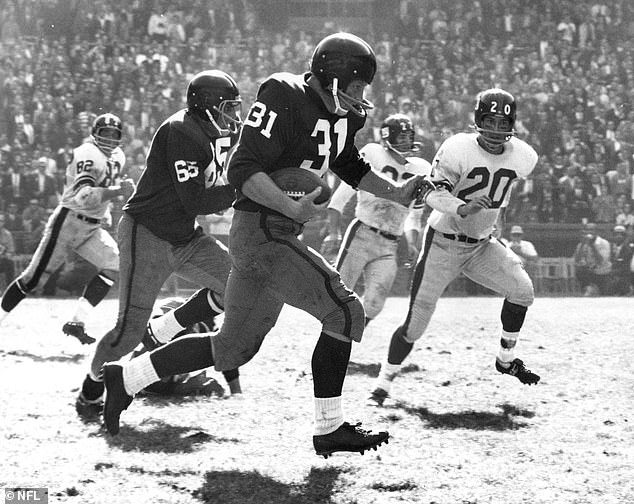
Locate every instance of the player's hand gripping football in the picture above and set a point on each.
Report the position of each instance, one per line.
(306, 208)
(474, 206)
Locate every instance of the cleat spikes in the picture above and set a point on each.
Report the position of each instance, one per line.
(350, 438)
(519, 370)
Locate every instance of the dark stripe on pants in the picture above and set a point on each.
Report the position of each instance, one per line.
(350, 234)
(48, 250)
(129, 286)
(417, 278)
(322, 273)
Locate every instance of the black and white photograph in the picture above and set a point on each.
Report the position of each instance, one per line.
(317, 251)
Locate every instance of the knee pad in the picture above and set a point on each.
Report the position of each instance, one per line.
(346, 322)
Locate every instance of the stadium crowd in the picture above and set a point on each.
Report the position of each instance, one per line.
(570, 63)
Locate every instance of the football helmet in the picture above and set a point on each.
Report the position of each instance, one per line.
(497, 103)
(214, 96)
(338, 60)
(106, 132)
(397, 133)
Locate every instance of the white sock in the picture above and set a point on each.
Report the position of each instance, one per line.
(386, 375)
(3, 314)
(165, 327)
(138, 373)
(328, 415)
(506, 355)
(82, 310)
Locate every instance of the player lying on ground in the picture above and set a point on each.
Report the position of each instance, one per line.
(166, 328)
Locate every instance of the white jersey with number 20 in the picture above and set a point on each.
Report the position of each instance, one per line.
(466, 170)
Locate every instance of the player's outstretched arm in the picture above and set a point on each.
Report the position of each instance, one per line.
(90, 195)
(385, 188)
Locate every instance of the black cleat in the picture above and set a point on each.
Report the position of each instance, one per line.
(117, 399)
(349, 438)
(377, 397)
(78, 330)
(517, 369)
(89, 410)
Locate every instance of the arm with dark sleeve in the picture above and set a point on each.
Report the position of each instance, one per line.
(195, 198)
(350, 166)
(216, 199)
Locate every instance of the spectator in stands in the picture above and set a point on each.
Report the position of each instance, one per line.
(13, 181)
(33, 215)
(620, 179)
(13, 219)
(524, 249)
(621, 253)
(7, 252)
(601, 201)
(44, 186)
(592, 261)
(587, 83)
(626, 216)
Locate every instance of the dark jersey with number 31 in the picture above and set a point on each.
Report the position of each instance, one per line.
(289, 126)
(182, 178)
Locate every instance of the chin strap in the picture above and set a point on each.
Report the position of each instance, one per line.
(339, 110)
(233, 124)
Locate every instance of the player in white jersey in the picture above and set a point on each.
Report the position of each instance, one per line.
(473, 174)
(75, 224)
(371, 241)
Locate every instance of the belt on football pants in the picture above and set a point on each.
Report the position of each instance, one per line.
(85, 218)
(462, 238)
(384, 234)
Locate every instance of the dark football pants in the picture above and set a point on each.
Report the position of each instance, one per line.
(270, 267)
(145, 262)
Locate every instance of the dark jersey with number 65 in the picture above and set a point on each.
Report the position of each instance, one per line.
(289, 126)
(183, 178)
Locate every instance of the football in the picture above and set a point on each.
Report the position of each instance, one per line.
(297, 182)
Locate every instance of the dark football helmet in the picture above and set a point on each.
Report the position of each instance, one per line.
(338, 60)
(214, 96)
(107, 130)
(397, 133)
(497, 103)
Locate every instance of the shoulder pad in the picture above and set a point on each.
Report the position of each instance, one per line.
(284, 82)
(184, 123)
